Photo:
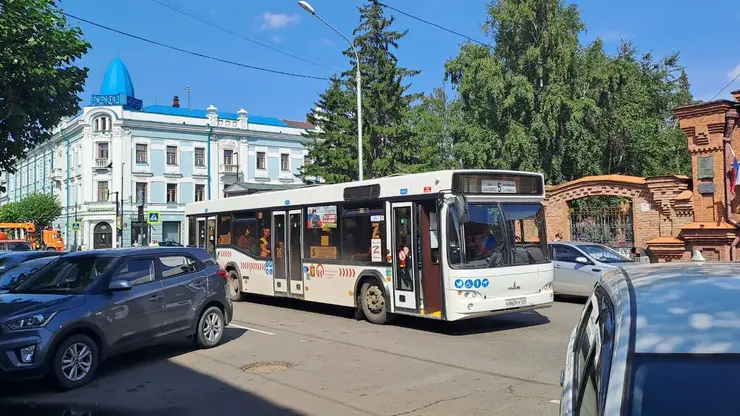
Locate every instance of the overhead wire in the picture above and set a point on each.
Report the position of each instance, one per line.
(213, 58)
(193, 15)
(431, 23)
(725, 87)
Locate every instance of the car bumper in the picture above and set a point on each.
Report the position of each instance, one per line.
(11, 343)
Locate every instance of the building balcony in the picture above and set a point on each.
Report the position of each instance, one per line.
(228, 168)
(102, 162)
(56, 174)
(100, 206)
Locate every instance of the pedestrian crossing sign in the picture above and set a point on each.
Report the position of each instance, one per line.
(75, 226)
(153, 217)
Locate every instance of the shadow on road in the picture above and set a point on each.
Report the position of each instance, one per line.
(144, 382)
(496, 323)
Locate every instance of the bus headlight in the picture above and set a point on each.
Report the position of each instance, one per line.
(548, 286)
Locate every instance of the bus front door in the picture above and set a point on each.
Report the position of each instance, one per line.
(405, 274)
(293, 248)
(279, 261)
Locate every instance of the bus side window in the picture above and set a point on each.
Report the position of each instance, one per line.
(245, 233)
(363, 233)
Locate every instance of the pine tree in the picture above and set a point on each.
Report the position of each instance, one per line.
(388, 142)
(332, 146)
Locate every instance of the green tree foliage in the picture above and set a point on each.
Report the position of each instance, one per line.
(333, 145)
(388, 141)
(39, 82)
(37, 208)
(11, 212)
(540, 101)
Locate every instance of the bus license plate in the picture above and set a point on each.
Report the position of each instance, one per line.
(513, 303)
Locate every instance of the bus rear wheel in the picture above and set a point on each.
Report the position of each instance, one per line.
(235, 287)
(373, 303)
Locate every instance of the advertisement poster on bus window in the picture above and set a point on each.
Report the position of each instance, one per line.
(322, 217)
(376, 247)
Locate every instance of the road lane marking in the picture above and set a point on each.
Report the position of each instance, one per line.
(246, 328)
(555, 401)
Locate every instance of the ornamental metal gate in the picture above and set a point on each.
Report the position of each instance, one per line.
(611, 226)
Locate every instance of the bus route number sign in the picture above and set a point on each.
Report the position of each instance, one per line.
(498, 187)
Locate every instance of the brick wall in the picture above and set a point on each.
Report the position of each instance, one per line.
(657, 208)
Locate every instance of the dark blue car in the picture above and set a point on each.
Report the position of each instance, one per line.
(67, 316)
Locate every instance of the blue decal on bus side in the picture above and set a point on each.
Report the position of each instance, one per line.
(468, 284)
(287, 202)
(458, 283)
(477, 283)
(404, 191)
(485, 283)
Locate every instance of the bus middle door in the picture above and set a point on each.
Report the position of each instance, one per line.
(405, 276)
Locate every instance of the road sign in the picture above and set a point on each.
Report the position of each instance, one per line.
(76, 226)
(152, 217)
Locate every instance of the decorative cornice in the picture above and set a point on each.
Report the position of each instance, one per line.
(703, 109)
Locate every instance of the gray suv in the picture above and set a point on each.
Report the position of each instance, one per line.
(83, 307)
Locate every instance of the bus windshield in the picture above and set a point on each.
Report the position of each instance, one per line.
(498, 235)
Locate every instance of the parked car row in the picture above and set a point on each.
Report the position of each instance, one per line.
(61, 315)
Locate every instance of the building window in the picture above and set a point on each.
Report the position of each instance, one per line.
(103, 190)
(200, 192)
(102, 124)
(284, 161)
(140, 192)
(103, 151)
(228, 157)
(171, 193)
(172, 155)
(306, 160)
(200, 156)
(260, 160)
(141, 153)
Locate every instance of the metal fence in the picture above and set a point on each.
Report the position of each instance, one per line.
(610, 226)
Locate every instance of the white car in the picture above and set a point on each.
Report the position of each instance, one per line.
(655, 340)
(578, 266)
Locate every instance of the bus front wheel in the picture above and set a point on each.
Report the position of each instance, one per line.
(373, 303)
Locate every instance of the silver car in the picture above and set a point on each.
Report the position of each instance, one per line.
(654, 340)
(578, 266)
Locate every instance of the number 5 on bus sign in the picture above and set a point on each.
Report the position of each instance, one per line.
(498, 187)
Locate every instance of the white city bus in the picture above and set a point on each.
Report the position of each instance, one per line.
(447, 245)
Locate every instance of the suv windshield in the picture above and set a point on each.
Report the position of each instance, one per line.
(604, 254)
(498, 234)
(13, 276)
(679, 385)
(67, 275)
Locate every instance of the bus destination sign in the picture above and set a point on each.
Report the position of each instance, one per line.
(499, 183)
(497, 186)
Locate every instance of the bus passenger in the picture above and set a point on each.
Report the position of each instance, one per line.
(265, 249)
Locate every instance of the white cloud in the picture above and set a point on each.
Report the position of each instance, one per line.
(276, 38)
(277, 20)
(734, 72)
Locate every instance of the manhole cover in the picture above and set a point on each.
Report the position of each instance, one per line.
(267, 367)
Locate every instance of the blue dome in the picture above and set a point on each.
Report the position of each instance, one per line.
(117, 80)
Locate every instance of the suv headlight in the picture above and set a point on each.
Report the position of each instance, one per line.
(29, 322)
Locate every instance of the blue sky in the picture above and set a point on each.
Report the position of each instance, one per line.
(699, 33)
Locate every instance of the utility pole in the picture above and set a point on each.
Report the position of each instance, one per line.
(76, 232)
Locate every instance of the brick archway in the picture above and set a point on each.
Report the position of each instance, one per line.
(655, 202)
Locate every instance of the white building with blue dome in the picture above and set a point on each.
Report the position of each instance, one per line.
(157, 157)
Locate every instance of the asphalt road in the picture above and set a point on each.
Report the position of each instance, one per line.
(291, 358)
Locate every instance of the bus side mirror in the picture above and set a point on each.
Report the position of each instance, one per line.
(461, 208)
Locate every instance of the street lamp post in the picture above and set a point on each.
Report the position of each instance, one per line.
(307, 7)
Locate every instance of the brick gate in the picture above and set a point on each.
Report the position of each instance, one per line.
(660, 205)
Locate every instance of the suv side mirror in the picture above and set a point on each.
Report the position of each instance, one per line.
(582, 260)
(119, 285)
